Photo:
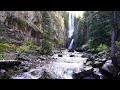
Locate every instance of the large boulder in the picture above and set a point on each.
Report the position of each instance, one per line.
(70, 50)
(60, 55)
(109, 70)
(45, 75)
(79, 50)
(4, 74)
(97, 64)
(23, 57)
(86, 74)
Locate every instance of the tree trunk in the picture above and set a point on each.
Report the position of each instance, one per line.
(114, 61)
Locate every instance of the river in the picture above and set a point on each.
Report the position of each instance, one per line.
(61, 68)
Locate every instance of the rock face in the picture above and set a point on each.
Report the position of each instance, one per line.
(28, 25)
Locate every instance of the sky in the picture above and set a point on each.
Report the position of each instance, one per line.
(77, 13)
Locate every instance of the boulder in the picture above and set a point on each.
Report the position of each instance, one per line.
(42, 58)
(88, 63)
(72, 55)
(87, 74)
(79, 50)
(23, 57)
(109, 70)
(45, 75)
(4, 74)
(97, 64)
(59, 55)
(9, 63)
(70, 50)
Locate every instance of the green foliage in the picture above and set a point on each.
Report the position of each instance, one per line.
(94, 26)
(27, 45)
(48, 46)
(2, 56)
(48, 33)
(102, 47)
(117, 43)
(4, 47)
(3, 40)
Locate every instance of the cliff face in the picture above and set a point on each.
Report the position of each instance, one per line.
(29, 25)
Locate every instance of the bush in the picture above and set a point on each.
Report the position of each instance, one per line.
(102, 47)
(47, 47)
(27, 45)
(117, 43)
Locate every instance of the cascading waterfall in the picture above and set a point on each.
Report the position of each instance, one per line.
(71, 44)
(71, 28)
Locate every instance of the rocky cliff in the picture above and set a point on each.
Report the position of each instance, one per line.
(20, 26)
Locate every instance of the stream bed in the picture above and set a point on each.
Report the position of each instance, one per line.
(61, 68)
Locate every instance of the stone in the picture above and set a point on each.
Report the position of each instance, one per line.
(72, 55)
(25, 70)
(59, 55)
(109, 70)
(46, 75)
(4, 74)
(42, 58)
(97, 64)
(23, 57)
(88, 63)
(70, 50)
(79, 50)
(87, 74)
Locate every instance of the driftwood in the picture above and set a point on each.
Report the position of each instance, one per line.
(9, 63)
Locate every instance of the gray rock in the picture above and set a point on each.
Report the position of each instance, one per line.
(59, 55)
(109, 70)
(97, 64)
(72, 55)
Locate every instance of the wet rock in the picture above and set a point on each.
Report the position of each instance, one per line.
(46, 75)
(15, 68)
(86, 55)
(90, 59)
(4, 74)
(88, 63)
(87, 74)
(9, 63)
(109, 70)
(59, 55)
(25, 69)
(70, 50)
(42, 58)
(23, 57)
(80, 50)
(92, 51)
(97, 64)
(72, 55)
(103, 60)
(2, 71)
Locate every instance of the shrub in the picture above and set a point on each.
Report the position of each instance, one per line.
(102, 47)
(27, 45)
(117, 43)
(47, 47)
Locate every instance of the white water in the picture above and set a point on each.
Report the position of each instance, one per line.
(71, 44)
(62, 68)
(70, 24)
(71, 28)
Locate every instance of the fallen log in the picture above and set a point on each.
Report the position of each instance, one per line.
(9, 63)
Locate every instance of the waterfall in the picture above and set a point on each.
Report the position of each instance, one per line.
(71, 44)
(71, 28)
(70, 24)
